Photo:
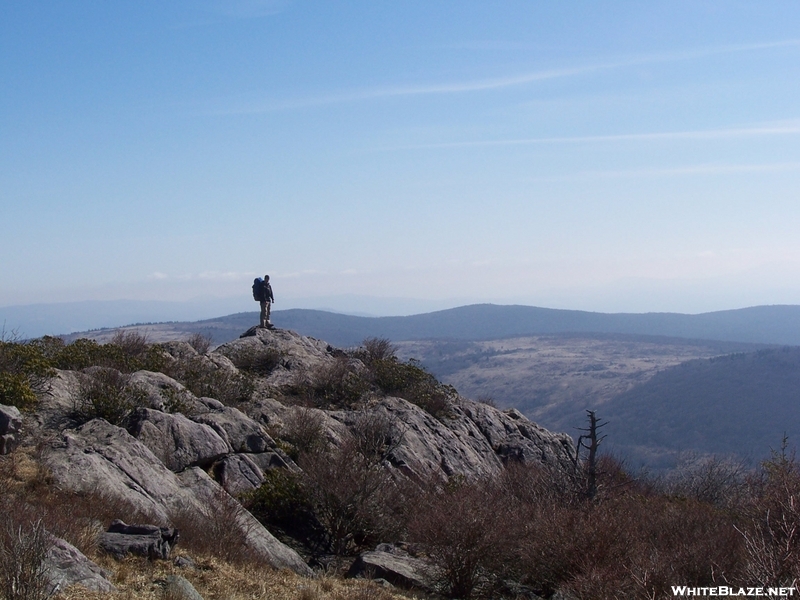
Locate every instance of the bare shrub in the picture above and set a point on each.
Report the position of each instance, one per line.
(711, 479)
(628, 545)
(377, 349)
(375, 435)
(303, 428)
(354, 499)
(201, 343)
(24, 545)
(257, 361)
(772, 531)
(217, 531)
(336, 384)
(487, 400)
(132, 343)
(107, 394)
(463, 530)
(535, 484)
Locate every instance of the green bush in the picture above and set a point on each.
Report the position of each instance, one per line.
(24, 373)
(107, 394)
(338, 384)
(15, 390)
(127, 352)
(280, 500)
(409, 380)
(205, 379)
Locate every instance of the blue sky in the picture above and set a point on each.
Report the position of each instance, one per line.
(614, 156)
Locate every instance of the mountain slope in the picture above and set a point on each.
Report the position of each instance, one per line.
(738, 404)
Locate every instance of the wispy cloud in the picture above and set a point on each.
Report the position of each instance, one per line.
(773, 129)
(706, 169)
(684, 170)
(491, 83)
(408, 90)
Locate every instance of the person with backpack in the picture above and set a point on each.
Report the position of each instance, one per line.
(262, 292)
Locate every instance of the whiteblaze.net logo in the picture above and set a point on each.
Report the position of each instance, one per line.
(727, 591)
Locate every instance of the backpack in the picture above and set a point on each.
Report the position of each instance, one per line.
(258, 289)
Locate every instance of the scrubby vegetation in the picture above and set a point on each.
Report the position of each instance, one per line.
(530, 531)
(374, 368)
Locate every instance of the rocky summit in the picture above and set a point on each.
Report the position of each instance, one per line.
(183, 442)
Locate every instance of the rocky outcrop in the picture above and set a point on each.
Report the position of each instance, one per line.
(65, 566)
(102, 459)
(475, 441)
(395, 565)
(106, 461)
(238, 474)
(177, 441)
(156, 468)
(298, 356)
(10, 427)
(149, 541)
(241, 433)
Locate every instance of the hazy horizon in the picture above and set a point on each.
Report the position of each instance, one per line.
(36, 320)
(615, 157)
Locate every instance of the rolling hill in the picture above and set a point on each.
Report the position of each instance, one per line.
(758, 324)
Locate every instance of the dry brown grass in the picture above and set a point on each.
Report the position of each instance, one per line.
(138, 579)
(78, 519)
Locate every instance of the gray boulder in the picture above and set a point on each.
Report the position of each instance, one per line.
(274, 459)
(238, 473)
(240, 432)
(162, 390)
(474, 442)
(149, 541)
(513, 437)
(299, 355)
(395, 565)
(177, 441)
(10, 427)
(179, 588)
(59, 402)
(65, 566)
(102, 459)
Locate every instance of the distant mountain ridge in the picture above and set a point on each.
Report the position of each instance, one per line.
(779, 324)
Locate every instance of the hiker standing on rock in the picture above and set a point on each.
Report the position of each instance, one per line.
(262, 292)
